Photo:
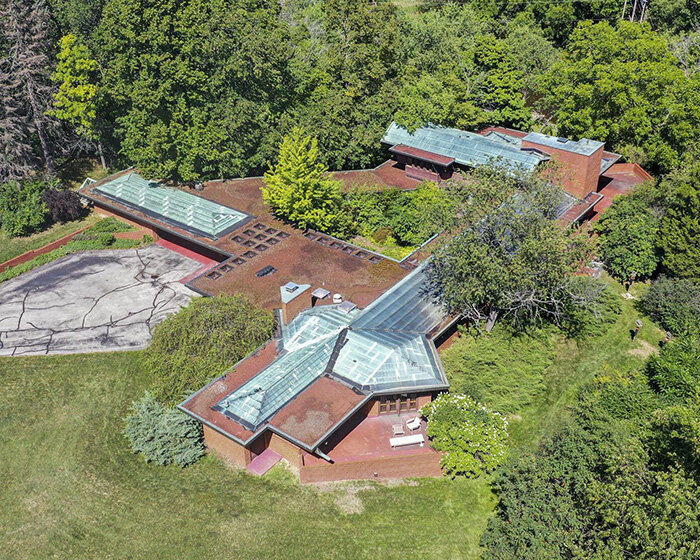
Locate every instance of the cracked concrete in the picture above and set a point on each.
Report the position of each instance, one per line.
(92, 301)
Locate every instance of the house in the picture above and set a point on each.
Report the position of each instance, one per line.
(326, 393)
(582, 168)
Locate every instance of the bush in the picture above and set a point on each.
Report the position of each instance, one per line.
(111, 225)
(473, 439)
(163, 435)
(675, 372)
(22, 210)
(503, 370)
(197, 344)
(421, 214)
(674, 304)
(63, 205)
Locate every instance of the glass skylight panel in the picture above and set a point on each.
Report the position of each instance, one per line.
(466, 148)
(173, 205)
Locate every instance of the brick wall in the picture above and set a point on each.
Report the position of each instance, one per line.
(227, 448)
(579, 174)
(29, 255)
(288, 450)
(401, 466)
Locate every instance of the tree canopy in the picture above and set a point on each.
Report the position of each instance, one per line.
(621, 84)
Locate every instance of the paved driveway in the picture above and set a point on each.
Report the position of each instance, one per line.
(92, 301)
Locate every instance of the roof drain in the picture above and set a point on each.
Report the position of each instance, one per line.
(323, 455)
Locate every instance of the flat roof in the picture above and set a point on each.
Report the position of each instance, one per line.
(583, 146)
(424, 155)
(317, 410)
(265, 241)
(373, 350)
(193, 213)
(466, 148)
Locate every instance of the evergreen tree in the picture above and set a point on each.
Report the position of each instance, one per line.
(25, 88)
(680, 227)
(299, 189)
(75, 101)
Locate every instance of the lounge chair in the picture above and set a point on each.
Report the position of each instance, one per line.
(413, 423)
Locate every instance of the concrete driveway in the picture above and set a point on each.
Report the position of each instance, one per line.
(92, 301)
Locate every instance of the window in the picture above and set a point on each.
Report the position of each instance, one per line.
(391, 404)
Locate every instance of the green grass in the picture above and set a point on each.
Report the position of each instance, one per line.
(574, 365)
(11, 247)
(390, 249)
(71, 489)
(99, 236)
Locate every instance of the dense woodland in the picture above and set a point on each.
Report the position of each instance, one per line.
(201, 89)
(190, 90)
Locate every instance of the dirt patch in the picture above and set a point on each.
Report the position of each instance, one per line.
(346, 492)
(643, 350)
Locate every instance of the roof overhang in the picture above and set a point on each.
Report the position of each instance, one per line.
(423, 155)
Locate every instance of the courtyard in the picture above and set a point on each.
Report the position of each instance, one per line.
(93, 301)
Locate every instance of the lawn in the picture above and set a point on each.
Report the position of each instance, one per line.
(11, 247)
(574, 365)
(71, 489)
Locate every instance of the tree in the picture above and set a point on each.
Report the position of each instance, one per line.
(298, 188)
(163, 435)
(487, 89)
(198, 343)
(622, 85)
(75, 100)
(473, 439)
(674, 303)
(629, 236)
(680, 227)
(25, 88)
(516, 262)
(187, 109)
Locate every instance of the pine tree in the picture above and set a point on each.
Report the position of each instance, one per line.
(75, 101)
(25, 88)
(298, 188)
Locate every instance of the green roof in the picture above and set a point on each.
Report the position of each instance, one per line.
(466, 148)
(188, 211)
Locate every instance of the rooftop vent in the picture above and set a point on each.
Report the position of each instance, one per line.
(347, 306)
(290, 287)
(320, 293)
(562, 140)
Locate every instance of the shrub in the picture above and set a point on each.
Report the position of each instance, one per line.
(675, 372)
(473, 439)
(63, 205)
(22, 210)
(209, 335)
(111, 225)
(421, 214)
(503, 370)
(674, 304)
(163, 435)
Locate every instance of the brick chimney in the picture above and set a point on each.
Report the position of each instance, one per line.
(578, 162)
